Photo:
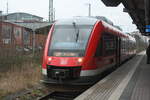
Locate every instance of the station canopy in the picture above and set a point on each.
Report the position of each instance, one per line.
(139, 10)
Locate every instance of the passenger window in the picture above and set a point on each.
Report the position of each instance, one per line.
(99, 50)
(109, 44)
(106, 45)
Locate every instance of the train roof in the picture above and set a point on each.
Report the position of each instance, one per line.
(90, 21)
(105, 19)
(77, 20)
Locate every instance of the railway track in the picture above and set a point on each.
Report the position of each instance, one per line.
(60, 95)
(46, 92)
(70, 95)
(53, 92)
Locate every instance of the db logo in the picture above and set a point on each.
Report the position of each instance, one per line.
(63, 61)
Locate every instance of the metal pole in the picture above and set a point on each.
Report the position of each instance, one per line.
(54, 15)
(33, 42)
(0, 31)
(89, 9)
(7, 7)
(147, 12)
(51, 10)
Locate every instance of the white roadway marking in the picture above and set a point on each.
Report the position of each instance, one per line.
(119, 90)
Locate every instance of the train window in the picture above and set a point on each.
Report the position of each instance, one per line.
(109, 42)
(124, 45)
(69, 38)
(99, 50)
(106, 45)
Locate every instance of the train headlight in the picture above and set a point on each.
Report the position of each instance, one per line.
(49, 59)
(80, 60)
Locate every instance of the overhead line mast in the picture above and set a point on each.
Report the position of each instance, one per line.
(51, 11)
(7, 7)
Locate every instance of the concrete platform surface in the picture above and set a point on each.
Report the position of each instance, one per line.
(129, 82)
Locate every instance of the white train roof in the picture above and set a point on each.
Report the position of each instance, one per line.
(77, 20)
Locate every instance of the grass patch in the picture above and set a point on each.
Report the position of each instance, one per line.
(19, 79)
(18, 71)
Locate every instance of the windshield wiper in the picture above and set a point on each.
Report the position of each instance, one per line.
(76, 30)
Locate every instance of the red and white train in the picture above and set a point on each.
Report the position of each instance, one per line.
(79, 49)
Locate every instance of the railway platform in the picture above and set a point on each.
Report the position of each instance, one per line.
(131, 81)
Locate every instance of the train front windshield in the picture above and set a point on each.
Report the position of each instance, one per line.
(69, 40)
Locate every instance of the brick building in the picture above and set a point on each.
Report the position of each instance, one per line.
(12, 34)
(23, 30)
(23, 35)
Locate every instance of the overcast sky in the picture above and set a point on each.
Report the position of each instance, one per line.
(69, 8)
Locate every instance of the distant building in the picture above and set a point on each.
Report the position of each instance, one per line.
(23, 30)
(21, 35)
(12, 34)
(141, 41)
(22, 17)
